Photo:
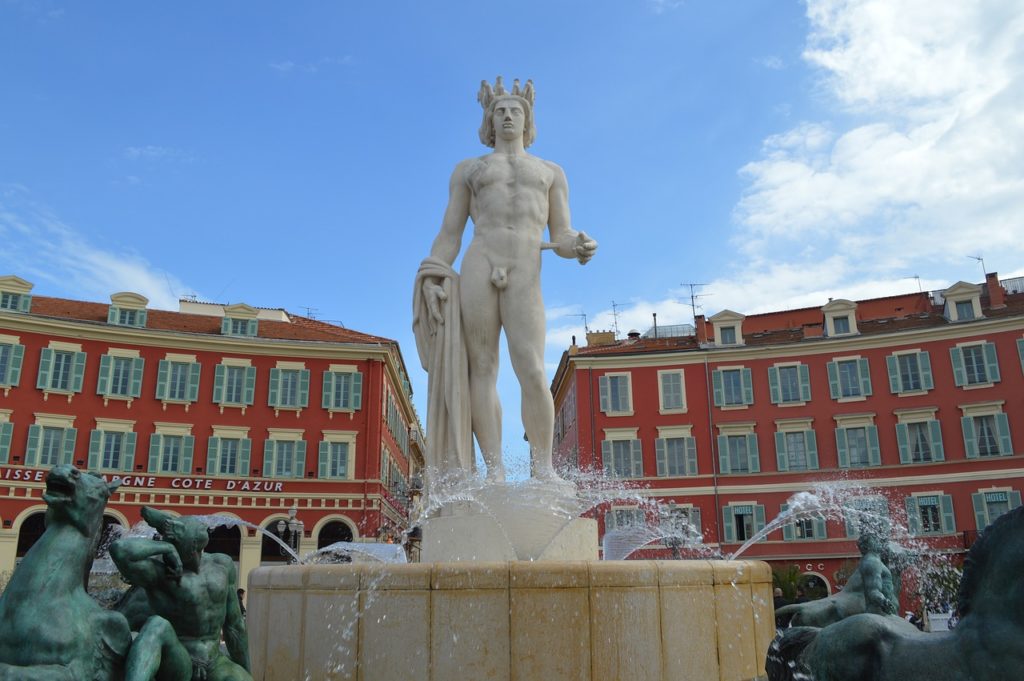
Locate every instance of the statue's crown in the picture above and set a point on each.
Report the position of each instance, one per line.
(488, 94)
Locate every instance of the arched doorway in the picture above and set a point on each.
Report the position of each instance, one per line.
(333, 532)
(270, 550)
(226, 540)
(31, 530)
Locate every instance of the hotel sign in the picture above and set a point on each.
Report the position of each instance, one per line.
(191, 483)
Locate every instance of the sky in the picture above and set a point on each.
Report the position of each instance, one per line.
(775, 152)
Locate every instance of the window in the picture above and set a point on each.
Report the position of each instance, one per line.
(343, 390)
(990, 505)
(849, 378)
(742, 521)
(234, 326)
(676, 456)
(61, 370)
(15, 302)
(121, 316)
(670, 391)
(930, 514)
(334, 460)
(987, 435)
(727, 328)
(790, 384)
(289, 388)
(975, 364)
(284, 458)
(796, 450)
(738, 453)
(178, 380)
(862, 513)
(171, 452)
(50, 444)
(112, 450)
(920, 442)
(623, 458)
(728, 334)
(803, 528)
(857, 446)
(120, 376)
(909, 372)
(732, 387)
(682, 521)
(840, 317)
(6, 435)
(624, 518)
(964, 310)
(11, 357)
(615, 394)
(228, 452)
(234, 384)
(841, 325)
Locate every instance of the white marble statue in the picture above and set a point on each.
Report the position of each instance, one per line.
(458, 318)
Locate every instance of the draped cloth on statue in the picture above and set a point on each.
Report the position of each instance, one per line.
(442, 350)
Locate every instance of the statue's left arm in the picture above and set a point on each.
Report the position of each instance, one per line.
(235, 637)
(571, 244)
(877, 587)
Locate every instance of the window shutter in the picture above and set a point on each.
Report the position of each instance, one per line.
(269, 458)
(304, 388)
(95, 450)
(833, 380)
(841, 451)
(894, 374)
(991, 363)
(6, 433)
(773, 385)
(753, 456)
(213, 456)
(805, 382)
(252, 327)
(225, 326)
(68, 446)
(79, 372)
(35, 435)
(695, 522)
(781, 460)
(660, 457)
(980, 510)
(723, 454)
(327, 392)
(970, 441)
(128, 453)
(913, 517)
(948, 517)
(45, 366)
(759, 520)
(250, 385)
(874, 451)
(935, 440)
(275, 384)
(820, 529)
(187, 451)
(728, 524)
(606, 456)
(864, 373)
(155, 445)
(141, 317)
(300, 459)
(924, 362)
(1003, 428)
(219, 372)
(103, 381)
(357, 390)
(323, 463)
(811, 445)
(956, 357)
(1014, 499)
(24, 302)
(138, 367)
(691, 455)
(903, 442)
(163, 369)
(112, 314)
(787, 530)
(716, 383)
(748, 386)
(195, 371)
(244, 457)
(14, 368)
(848, 511)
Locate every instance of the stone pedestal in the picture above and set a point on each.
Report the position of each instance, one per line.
(480, 538)
(514, 621)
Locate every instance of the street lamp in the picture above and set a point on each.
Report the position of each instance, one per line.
(290, 532)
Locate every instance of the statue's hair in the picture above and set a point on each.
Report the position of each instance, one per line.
(489, 97)
(992, 539)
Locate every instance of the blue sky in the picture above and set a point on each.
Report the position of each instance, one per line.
(297, 154)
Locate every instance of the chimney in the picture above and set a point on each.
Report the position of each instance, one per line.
(598, 338)
(655, 324)
(700, 328)
(996, 293)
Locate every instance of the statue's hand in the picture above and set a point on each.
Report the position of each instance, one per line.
(435, 297)
(172, 565)
(581, 247)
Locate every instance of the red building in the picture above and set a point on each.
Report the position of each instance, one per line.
(258, 414)
(918, 397)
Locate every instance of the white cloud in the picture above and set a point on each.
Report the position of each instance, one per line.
(153, 152)
(39, 247)
(289, 66)
(772, 62)
(660, 6)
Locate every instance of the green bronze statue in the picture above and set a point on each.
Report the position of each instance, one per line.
(192, 595)
(50, 629)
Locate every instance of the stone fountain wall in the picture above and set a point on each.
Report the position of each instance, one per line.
(515, 621)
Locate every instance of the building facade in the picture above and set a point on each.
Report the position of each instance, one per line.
(912, 403)
(277, 420)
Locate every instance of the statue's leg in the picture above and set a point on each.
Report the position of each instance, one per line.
(522, 317)
(225, 669)
(157, 649)
(44, 672)
(481, 328)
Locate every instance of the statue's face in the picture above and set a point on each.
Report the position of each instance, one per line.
(508, 118)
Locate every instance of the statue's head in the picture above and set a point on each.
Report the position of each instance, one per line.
(516, 105)
(870, 542)
(76, 498)
(188, 535)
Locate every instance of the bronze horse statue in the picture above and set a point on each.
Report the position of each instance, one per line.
(986, 645)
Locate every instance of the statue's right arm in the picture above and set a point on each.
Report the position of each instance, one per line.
(448, 243)
(135, 559)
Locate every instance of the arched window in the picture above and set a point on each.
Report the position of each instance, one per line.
(226, 540)
(333, 532)
(31, 530)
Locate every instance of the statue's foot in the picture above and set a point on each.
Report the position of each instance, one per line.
(547, 473)
(495, 474)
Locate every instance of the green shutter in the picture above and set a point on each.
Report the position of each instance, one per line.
(162, 372)
(112, 315)
(95, 449)
(894, 374)
(14, 368)
(948, 517)
(1003, 428)
(874, 451)
(723, 454)
(275, 382)
(68, 446)
(924, 362)
(103, 381)
(805, 382)
(820, 529)
(903, 442)
(252, 327)
(787, 530)
(773, 385)
(269, 458)
(35, 434)
(970, 441)
(300, 459)
(195, 371)
(935, 440)
(660, 457)
(716, 382)
(636, 459)
(606, 456)
(356, 384)
(811, 445)
(155, 447)
(244, 456)
(128, 453)
(219, 374)
(138, 367)
(759, 519)
(24, 302)
(728, 524)
(140, 318)
(79, 372)
(6, 434)
(748, 386)
(328, 390)
(187, 451)
(691, 455)
(913, 516)
(324, 460)
(45, 367)
(250, 385)
(1020, 351)
(1014, 499)
(956, 357)
(980, 510)
(781, 460)
(833, 380)
(841, 450)
(864, 373)
(604, 391)
(225, 326)
(991, 363)
(304, 388)
(213, 456)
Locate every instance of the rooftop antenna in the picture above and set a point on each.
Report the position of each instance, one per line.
(615, 317)
(981, 260)
(918, 277)
(584, 315)
(310, 311)
(693, 298)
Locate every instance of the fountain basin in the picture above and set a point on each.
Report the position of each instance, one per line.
(516, 620)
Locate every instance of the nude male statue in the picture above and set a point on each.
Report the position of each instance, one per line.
(193, 597)
(511, 197)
